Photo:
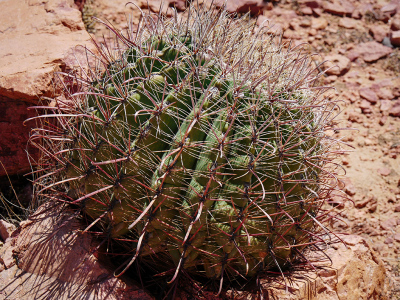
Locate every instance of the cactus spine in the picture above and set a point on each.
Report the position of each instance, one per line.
(201, 140)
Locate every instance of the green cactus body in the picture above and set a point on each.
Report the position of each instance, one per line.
(203, 142)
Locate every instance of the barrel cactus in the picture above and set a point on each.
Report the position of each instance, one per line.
(198, 143)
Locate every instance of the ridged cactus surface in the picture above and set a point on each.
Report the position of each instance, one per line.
(201, 140)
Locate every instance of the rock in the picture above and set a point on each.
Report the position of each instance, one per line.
(385, 105)
(306, 11)
(337, 65)
(389, 224)
(373, 207)
(37, 38)
(397, 208)
(366, 107)
(368, 94)
(275, 29)
(386, 94)
(356, 273)
(381, 16)
(319, 23)
(14, 135)
(379, 32)
(311, 3)
(349, 187)
(348, 23)
(369, 51)
(384, 171)
(383, 120)
(337, 199)
(395, 38)
(388, 240)
(396, 237)
(395, 23)
(305, 22)
(340, 8)
(361, 203)
(361, 10)
(255, 7)
(6, 229)
(330, 79)
(390, 9)
(318, 11)
(166, 6)
(53, 260)
(395, 109)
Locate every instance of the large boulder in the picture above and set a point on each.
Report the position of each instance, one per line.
(49, 257)
(38, 37)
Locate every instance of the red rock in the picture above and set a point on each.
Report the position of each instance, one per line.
(385, 94)
(337, 65)
(275, 29)
(388, 240)
(383, 120)
(337, 199)
(305, 22)
(154, 5)
(361, 10)
(330, 79)
(318, 11)
(385, 105)
(287, 15)
(355, 117)
(38, 38)
(397, 208)
(349, 187)
(311, 3)
(395, 110)
(306, 11)
(368, 94)
(6, 229)
(14, 135)
(51, 258)
(262, 20)
(319, 23)
(292, 35)
(341, 8)
(384, 171)
(395, 38)
(395, 23)
(373, 207)
(363, 202)
(365, 107)
(385, 83)
(396, 237)
(348, 23)
(390, 8)
(369, 51)
(378, 247)
(378, 32)
(243, 6)
(381, 16)
(389, 224)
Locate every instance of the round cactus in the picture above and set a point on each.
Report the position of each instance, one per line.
(198, 139)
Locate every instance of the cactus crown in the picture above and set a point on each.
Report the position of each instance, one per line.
(199, 139)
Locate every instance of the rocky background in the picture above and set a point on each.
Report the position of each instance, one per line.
(361, 39)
